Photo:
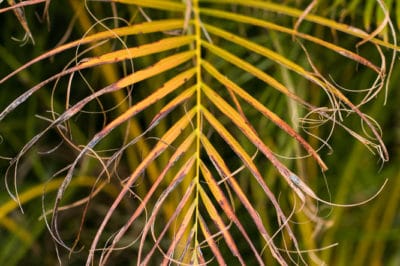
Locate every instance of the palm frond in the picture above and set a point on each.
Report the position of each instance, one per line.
(196, 126)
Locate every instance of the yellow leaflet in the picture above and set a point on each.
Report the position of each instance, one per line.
(156, 182)
(210, 240)
(216, 218)
(245, 66)
(161, 145)
(260, 50)
(183, 171)
(283, 9)
(225, 205)
(159, 67)
(157, 4)
(178, 236)
(167, 88)
(225, 174)
(181, 98)
(146, 27)
(142, 28)
(230, 140)
(266, 24)
(261, 75)
(264, 110)
(235, 117)
(213, 186)
(147, 49)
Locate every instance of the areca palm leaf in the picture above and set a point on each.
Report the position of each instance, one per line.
(205, 107)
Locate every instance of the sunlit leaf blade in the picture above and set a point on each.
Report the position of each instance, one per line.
(130, 53)
(242, 125)
(162, 65)
(181, 204)
(230, 178)
(321, 82)
(268, 25)
(180, 99)
(180, 175)
(146, 27)
(225, 174)
(225, 205)
(290, 11)
(156, 183)
(159, 67)
(161, 146)
(260, 50)
(157, 4)
(264, 110)
(275, 57)
(216, 218)
(168, 257)
(249, 68)
(167, 88)
(209, 238)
